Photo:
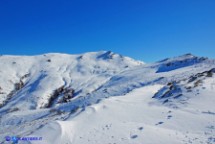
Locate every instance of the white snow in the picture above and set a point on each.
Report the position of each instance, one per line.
(113, 101)
(84, 73)
(133, 119)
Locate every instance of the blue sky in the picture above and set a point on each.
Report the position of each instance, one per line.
(147, 30)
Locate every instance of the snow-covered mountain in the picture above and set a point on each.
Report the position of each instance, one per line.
(103, 97)
(43, 79)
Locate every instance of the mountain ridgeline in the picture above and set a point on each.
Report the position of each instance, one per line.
(44, 91)
(49, 80)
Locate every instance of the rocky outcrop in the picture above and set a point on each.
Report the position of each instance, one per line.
(171, 90)
(60, 95)
(1, 91)
(174, 90)
(17, 87)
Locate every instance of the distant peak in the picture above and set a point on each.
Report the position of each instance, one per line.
(188, 54)
(185, 60)
(191, 56)
(106, 55)
(184, 56)
(108, 52)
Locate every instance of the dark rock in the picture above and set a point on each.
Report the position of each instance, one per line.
(25, 76)
(197, 83)
(19, 85)
(66, 93)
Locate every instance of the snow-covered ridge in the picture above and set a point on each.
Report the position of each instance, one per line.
(30, 81)
(179, 62)
(49, 80)
(64, 90)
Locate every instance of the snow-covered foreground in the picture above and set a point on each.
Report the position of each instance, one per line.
(136, 118)
(106, 98)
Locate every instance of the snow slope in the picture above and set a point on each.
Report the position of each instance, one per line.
(136, 118)
(38, 76)
(103, 97)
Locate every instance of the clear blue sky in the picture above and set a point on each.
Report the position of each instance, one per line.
(147, 30)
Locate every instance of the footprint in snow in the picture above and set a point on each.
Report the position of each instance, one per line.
(169, 117)
(134, 136)
(159, 123)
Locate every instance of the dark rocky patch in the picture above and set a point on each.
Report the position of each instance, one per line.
(66, 93)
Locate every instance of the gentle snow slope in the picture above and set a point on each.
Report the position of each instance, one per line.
(136, 119)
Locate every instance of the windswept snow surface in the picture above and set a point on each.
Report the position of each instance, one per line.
(136, 118)
(103, 97)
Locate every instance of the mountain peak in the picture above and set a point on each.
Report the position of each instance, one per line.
(188, 54)
(174, 63)
(105, 55)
